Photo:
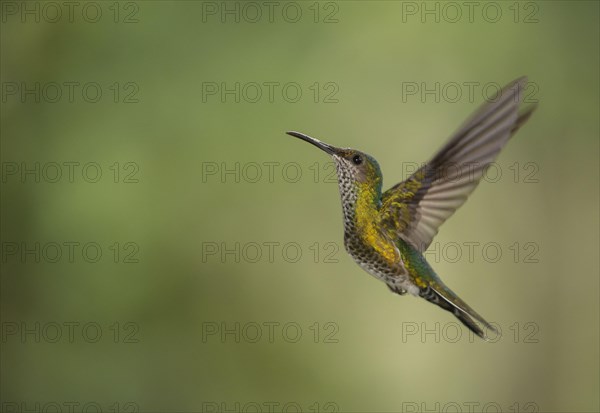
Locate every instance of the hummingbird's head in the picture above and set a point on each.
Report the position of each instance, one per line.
(358, 173)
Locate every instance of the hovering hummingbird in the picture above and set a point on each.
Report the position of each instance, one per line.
(387, 233)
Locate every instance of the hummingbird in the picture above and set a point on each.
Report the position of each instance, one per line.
(387, 233)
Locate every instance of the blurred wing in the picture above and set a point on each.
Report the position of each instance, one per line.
(417, 206)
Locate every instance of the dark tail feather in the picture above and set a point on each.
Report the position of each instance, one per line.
(468, 321)
(443, 297)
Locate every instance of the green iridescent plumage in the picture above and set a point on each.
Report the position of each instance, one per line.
(387, 233)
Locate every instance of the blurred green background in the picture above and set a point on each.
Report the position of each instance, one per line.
(222, 281)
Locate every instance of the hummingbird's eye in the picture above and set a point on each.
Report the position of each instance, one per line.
(357, 159)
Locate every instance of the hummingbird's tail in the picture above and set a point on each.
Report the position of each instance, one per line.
(444, 297)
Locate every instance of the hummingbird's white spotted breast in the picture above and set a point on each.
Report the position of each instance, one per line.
(364, 254)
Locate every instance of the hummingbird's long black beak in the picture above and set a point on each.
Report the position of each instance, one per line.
(321, 145)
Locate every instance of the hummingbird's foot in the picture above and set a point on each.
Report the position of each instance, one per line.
(396, 289)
